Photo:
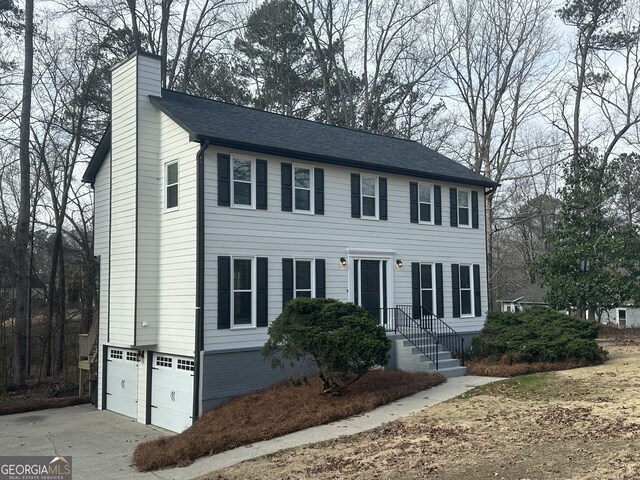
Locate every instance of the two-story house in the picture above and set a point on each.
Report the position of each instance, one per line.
(209, 217)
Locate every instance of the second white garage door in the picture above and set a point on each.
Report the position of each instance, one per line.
(172, 392)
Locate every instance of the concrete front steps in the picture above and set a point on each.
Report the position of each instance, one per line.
(405, 356)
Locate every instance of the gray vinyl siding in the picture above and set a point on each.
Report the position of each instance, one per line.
(123, 205)
(276, 234)
(101, 249)
(177, 245)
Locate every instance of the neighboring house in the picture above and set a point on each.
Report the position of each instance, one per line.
(210, 216)
(624, 316)
(523, 298)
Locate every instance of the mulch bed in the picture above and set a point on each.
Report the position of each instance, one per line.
(492, 369)
(29, 406)
(276, 411)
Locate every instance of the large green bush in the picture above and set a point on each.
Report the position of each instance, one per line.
(537, 335)
(341, 338)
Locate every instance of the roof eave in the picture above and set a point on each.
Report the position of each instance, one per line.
(295, 154)
(98, 157)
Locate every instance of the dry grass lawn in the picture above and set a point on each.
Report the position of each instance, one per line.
(577, 424)
(276, 411)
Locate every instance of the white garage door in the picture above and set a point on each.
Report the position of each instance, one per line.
(172, 392)
(122, 381)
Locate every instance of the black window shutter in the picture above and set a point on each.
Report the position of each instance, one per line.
(356, 277)
(476, 290)
(474, 209)
(382, 188)
(318, 186)
(262, 300)
(224, 181)
(453, 205)
(287, 280)
(415, 289)
(287, 190)
(437, 205)
(261, 184)
(439, 291)
(455, 283)
(355, 195)
(224, 292)
(413, 202)
(321, 289)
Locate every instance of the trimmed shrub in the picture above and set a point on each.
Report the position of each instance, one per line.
(341, 338)
(537, 335)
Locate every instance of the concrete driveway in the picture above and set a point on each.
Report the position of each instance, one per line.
(99, 442)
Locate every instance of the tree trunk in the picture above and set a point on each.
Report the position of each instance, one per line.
(51, 304)
(22, 228)
(62, 312)
(489, 231)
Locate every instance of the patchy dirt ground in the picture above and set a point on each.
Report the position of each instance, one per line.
(575, 424)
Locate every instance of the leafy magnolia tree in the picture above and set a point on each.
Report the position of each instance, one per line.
(341, 338)
(592, 260)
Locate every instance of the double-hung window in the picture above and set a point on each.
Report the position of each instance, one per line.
(243, 178)
(303, 286)
(464, 218)
(466, 291)
(425, 202)
(427, 290)
(369, 189)
(303, 189)
(243, 300)
(171, 186)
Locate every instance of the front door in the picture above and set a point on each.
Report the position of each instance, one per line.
(370, 287)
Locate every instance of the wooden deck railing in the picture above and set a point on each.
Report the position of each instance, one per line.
(86, 341)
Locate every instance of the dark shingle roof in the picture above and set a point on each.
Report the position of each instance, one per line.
(233, 126)
(529, 294)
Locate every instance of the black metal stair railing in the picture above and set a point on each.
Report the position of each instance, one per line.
(447, 336)
(397, 320)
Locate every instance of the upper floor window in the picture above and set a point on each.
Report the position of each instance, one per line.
(369, 189)
(303, 189)
(425, 201)
(243, 173)
(464, 219)
(171, 185)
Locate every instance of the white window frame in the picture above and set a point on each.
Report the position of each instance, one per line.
(294, 188)
(254, 289)
(253, 182)
(376, 197)
(166, 185)
(471, 290)
(312, 263)
(468, 207)
(430, 186)
(433, 285)
(618, 310)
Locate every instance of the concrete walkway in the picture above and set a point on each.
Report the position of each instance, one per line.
(101, 443)
(387, 413)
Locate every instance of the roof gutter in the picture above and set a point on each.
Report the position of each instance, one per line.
(221, 142)
(199, 316)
